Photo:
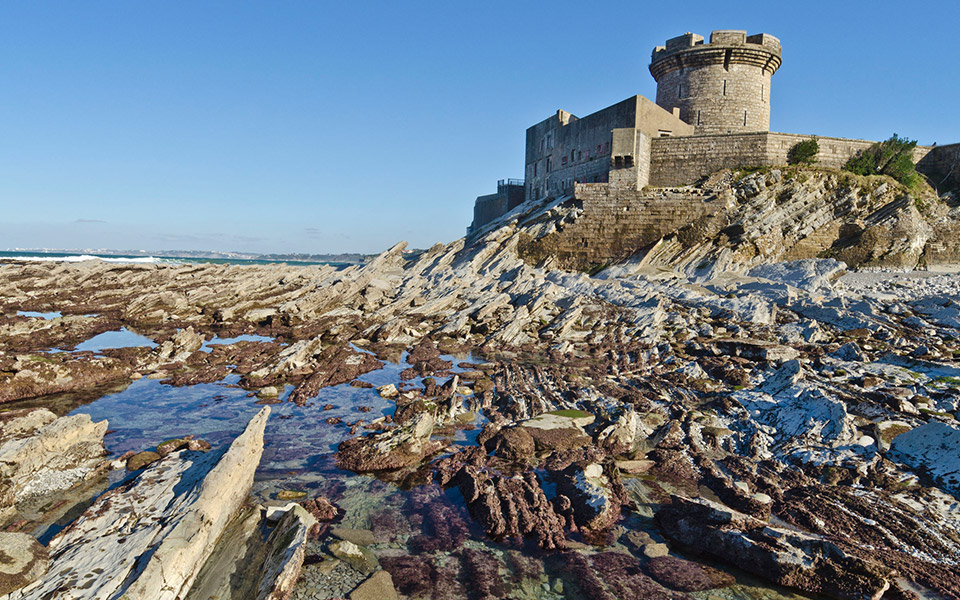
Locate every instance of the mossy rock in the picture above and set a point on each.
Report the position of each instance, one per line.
(142, 460)
(573, 414)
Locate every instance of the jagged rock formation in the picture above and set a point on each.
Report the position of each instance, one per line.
(794, 391)
(735, 221)
(169, 520)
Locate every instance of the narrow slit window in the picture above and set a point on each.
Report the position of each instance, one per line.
(724, 87)
(680, 91)
(763, 93)
(698, 118)
(744, 118)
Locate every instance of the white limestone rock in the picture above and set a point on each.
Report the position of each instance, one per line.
(150, 538)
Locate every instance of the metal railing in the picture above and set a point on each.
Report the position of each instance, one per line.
(506, 182)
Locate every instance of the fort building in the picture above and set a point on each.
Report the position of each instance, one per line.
(720, 87)
(712, 112)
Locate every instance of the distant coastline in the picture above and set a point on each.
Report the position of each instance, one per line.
(177, 256)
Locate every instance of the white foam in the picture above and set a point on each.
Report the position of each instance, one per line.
(85, 257)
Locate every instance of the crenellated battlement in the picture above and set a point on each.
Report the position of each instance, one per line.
(725, 46)
(720, 86)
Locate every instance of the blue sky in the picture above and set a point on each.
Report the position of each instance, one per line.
(325, 127)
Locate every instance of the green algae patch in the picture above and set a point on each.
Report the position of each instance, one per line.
(570, 414)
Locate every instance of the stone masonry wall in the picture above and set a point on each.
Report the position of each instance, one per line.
(616, 221)
(684, 160)
(715, 99)
(942, 166)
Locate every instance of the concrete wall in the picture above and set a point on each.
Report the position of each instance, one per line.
(564, 149)
(631, 158)
(719, 87)
(682, 161)
(487, 208)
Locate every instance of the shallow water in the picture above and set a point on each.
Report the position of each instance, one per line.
(47, 316)
(299, 454)
(240, 338)
(298, 442)
(115, 339)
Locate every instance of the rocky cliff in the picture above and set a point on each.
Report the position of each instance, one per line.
(734, 221)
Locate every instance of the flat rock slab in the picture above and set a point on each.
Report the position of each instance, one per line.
(933, 448)
(149, 538)
(378, 586)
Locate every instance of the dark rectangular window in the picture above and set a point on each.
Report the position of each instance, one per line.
(680, 91)
(549, 164)
(724, 87)
(744, 118)
(698, 118)
(573, 155)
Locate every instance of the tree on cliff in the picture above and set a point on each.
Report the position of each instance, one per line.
(893, 157)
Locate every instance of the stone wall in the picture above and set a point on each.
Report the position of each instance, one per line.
(941, 164)
(683, 161)
(616, 221)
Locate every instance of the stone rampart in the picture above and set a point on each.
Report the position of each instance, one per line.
(684, 160)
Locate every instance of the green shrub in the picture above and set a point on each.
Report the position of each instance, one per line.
(893, 157)
(804, 153)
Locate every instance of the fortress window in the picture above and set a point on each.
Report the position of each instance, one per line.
(549, 164)
(680, 91)
(535, 169)
(628, 161)
(664, 133)
(724, 87)
(542, 142)
(573, 155)
(617, 162)
(744, 118)
(580, 155)
(698, 118)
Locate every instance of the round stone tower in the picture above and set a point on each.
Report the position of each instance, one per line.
(720, 87)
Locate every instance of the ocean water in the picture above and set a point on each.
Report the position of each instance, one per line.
(11, 255)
